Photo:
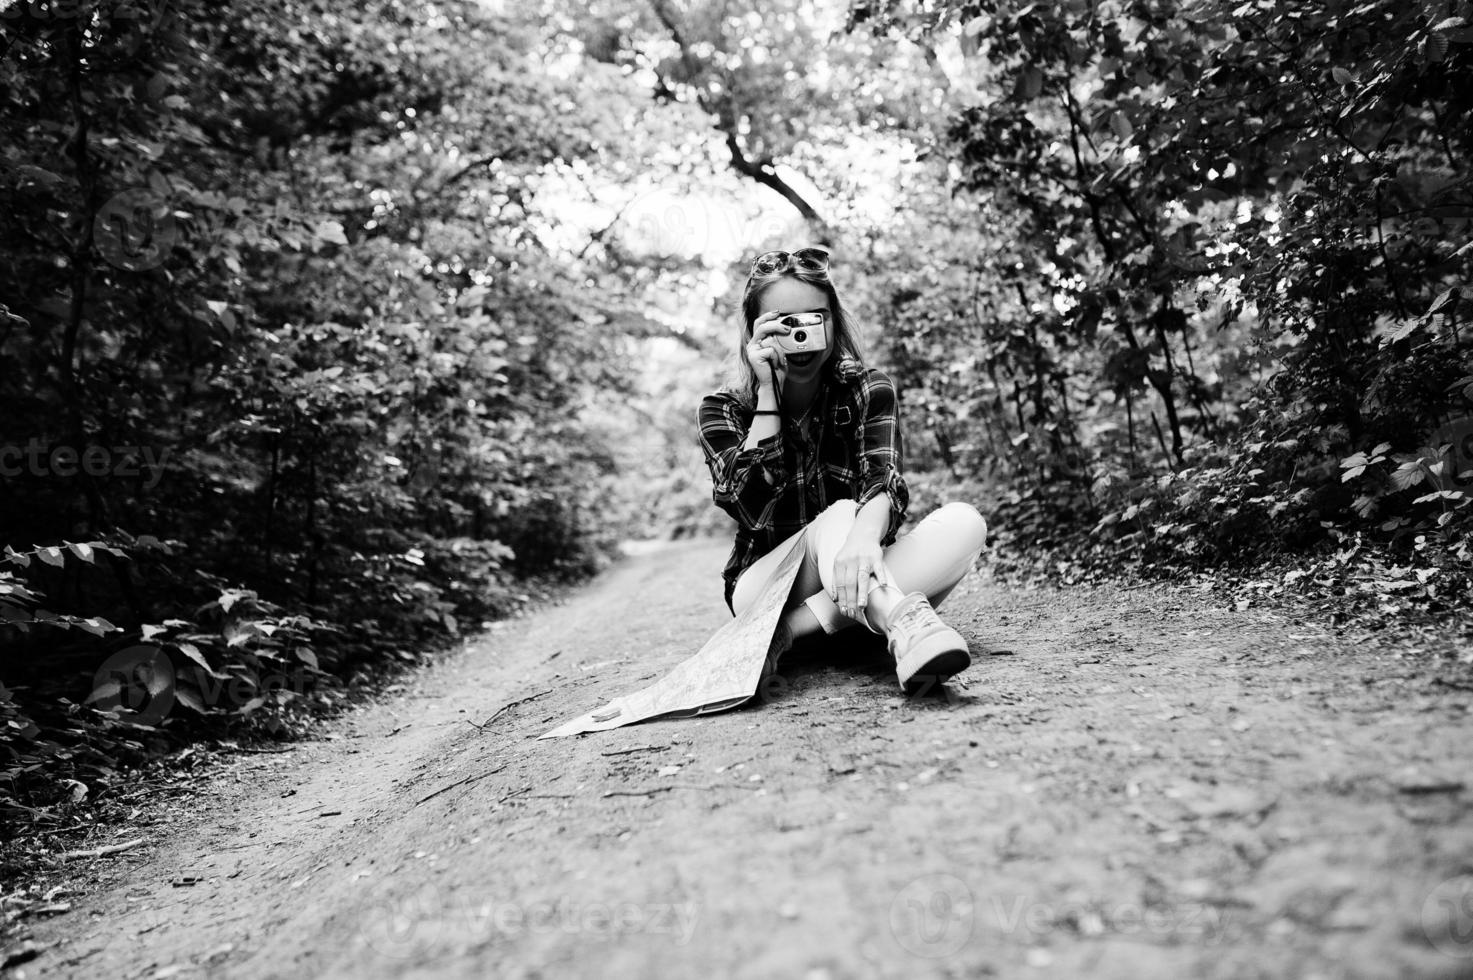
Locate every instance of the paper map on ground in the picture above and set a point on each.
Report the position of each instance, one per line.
(724, 674)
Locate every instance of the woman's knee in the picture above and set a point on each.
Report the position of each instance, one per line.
(828, 531)
(836, 518)
(965, 522)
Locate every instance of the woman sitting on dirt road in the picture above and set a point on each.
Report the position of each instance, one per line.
(807, 442)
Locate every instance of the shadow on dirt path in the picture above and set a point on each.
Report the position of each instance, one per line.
(1126, 783)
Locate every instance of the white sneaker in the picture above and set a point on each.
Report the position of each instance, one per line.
(926, 650)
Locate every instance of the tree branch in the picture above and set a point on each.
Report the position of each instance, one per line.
(762, 172)
(760, 169)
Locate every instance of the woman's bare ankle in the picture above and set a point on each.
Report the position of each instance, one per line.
(879, 603)
(802, 622)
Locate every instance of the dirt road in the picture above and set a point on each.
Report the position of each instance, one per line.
(1127, 783)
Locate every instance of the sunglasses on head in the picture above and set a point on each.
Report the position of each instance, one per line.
(810, 259)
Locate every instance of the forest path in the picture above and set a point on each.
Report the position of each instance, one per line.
(1126, 783)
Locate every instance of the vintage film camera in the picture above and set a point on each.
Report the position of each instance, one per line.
(807, 333)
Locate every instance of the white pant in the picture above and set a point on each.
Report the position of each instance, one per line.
(932, 558)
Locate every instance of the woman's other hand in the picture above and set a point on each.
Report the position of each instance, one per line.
(856, 562)
(762, 352)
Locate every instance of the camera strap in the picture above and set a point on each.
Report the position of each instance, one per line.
(782, 413)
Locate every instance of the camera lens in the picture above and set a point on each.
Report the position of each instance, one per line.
(800, 336)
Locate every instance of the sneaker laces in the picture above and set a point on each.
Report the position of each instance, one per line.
(917, 617)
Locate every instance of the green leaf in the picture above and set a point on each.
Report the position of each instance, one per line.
(330, 232)
(1445, 301)
(107, 689)
(40, 175)
(191, 699)
(12, 588)
(1342, 76)
(1030, 82)
(1408, 475)
(229, 597)
(82, 551)
(159, 681)
(1405, 330)
(51, 556)
(193, 653)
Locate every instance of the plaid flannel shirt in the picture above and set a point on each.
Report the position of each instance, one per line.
(849, 447)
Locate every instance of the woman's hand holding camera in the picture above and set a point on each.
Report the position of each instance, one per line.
(762, 353)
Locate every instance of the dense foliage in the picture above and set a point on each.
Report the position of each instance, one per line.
(1218, 306)
(294, 382)
(329, 328)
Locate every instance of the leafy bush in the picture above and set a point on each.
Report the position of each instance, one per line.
(1216, 249)
(294, 391)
